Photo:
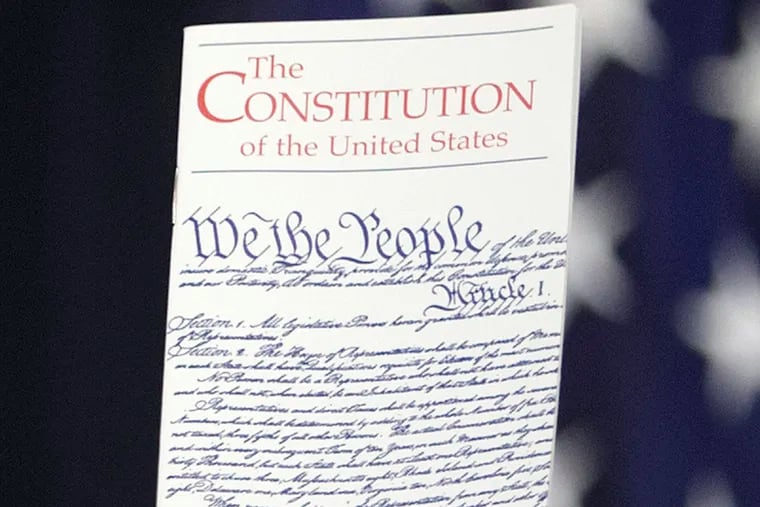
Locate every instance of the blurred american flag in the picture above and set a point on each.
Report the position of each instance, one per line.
(661, 372)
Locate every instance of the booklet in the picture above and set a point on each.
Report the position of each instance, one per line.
(368, 264)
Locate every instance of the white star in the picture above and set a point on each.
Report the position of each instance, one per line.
(712, 490)
(602, 216)
(575, 470)
(617, 29)
(727, 87)
(723, 323)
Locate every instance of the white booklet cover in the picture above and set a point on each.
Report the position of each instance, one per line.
(368, 265)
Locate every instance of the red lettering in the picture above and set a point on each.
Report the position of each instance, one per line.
(203, 107)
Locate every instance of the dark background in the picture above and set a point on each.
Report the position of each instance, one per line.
(90, 93)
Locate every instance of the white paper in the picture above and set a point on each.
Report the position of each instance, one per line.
(368, 263)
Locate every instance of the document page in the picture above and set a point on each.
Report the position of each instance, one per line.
(368, 264)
